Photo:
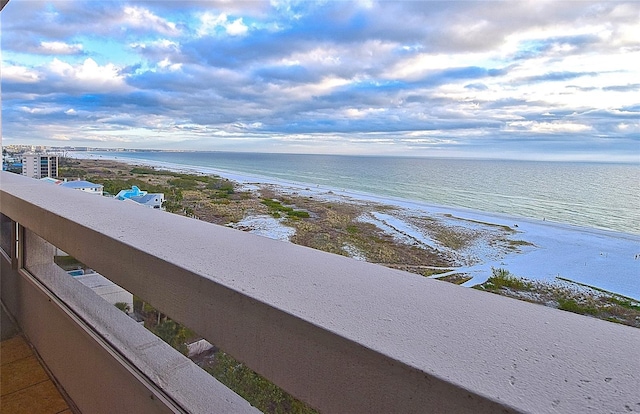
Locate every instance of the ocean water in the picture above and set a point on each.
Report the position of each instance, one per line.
(595, 195)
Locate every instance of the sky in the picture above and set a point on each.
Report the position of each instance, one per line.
(539, 80)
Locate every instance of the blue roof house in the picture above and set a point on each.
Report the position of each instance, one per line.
(152, 200)
(134, 191)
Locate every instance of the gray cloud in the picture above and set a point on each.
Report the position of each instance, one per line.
(452, 71)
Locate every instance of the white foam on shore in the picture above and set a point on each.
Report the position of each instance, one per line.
(603, 259)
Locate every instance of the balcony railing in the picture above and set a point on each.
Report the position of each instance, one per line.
(342, 335)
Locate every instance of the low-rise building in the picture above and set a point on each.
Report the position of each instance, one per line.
(86, 186)
(134, 191)
(151, 200)
(51, 180)
(105, 288)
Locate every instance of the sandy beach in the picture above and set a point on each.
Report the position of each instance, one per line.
(436, 241)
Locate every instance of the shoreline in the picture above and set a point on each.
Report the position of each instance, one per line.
(534, 249)
(247, 178)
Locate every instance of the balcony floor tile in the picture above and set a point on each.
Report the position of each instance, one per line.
(25, 386)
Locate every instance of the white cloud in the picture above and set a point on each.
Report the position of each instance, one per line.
(89, 75)
(548, 127)
(144, 19)
(236, 28)
(60, 48)
(303, 92)
(161, 44)
(340, 69)
(19, 74)
(166, 64)
(38, 111)
(210, 22)
(629, 127)
(355, 113)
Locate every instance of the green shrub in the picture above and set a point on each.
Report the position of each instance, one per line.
(502, 279)
(184, 183)
(276, 208)
(298, 214)
(260, 392)
(571, 305)
(123, 306)
(352, 229)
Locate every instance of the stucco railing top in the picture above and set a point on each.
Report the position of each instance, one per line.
(343, 335)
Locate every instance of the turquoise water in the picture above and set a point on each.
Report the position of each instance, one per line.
(597, 195)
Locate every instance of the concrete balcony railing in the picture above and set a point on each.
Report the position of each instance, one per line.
(342, 335)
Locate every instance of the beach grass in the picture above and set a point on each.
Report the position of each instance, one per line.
(566, 295)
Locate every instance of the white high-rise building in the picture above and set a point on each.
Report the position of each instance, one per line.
(39, 165)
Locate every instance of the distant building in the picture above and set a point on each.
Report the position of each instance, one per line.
(134, 191)
(39, 165)
(86, 186)
(52, 180)
(104, 287)
(151, 200)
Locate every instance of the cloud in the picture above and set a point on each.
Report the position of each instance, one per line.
(19, 74)
(547, 127)
(623, 88)
(210, 24)
(411, 74)
(60, 48)
(87, 76)
(142, 18)
(557, 76)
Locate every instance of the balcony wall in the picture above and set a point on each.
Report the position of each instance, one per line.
(340, 334)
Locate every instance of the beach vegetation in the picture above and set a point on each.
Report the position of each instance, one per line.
(456, 278)
(257, 390)
(68, 262)
(153, 171)
(184, 183)
(332, 225)
(123, 306)
(221, 185)
(431, 271)
(144, 170)
(566, 295)
(71, 172)
(276, 206)
(352, 229)
(483, 223)
(501, 279)
(174, 334)
(516, 244)
(451, 238)
(298, 214)
(571, 305)
(625, 303)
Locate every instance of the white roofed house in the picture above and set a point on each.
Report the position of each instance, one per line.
(52, 180)
(153, 200)
(86, 186)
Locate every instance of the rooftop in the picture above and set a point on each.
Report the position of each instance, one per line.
(80, 184)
